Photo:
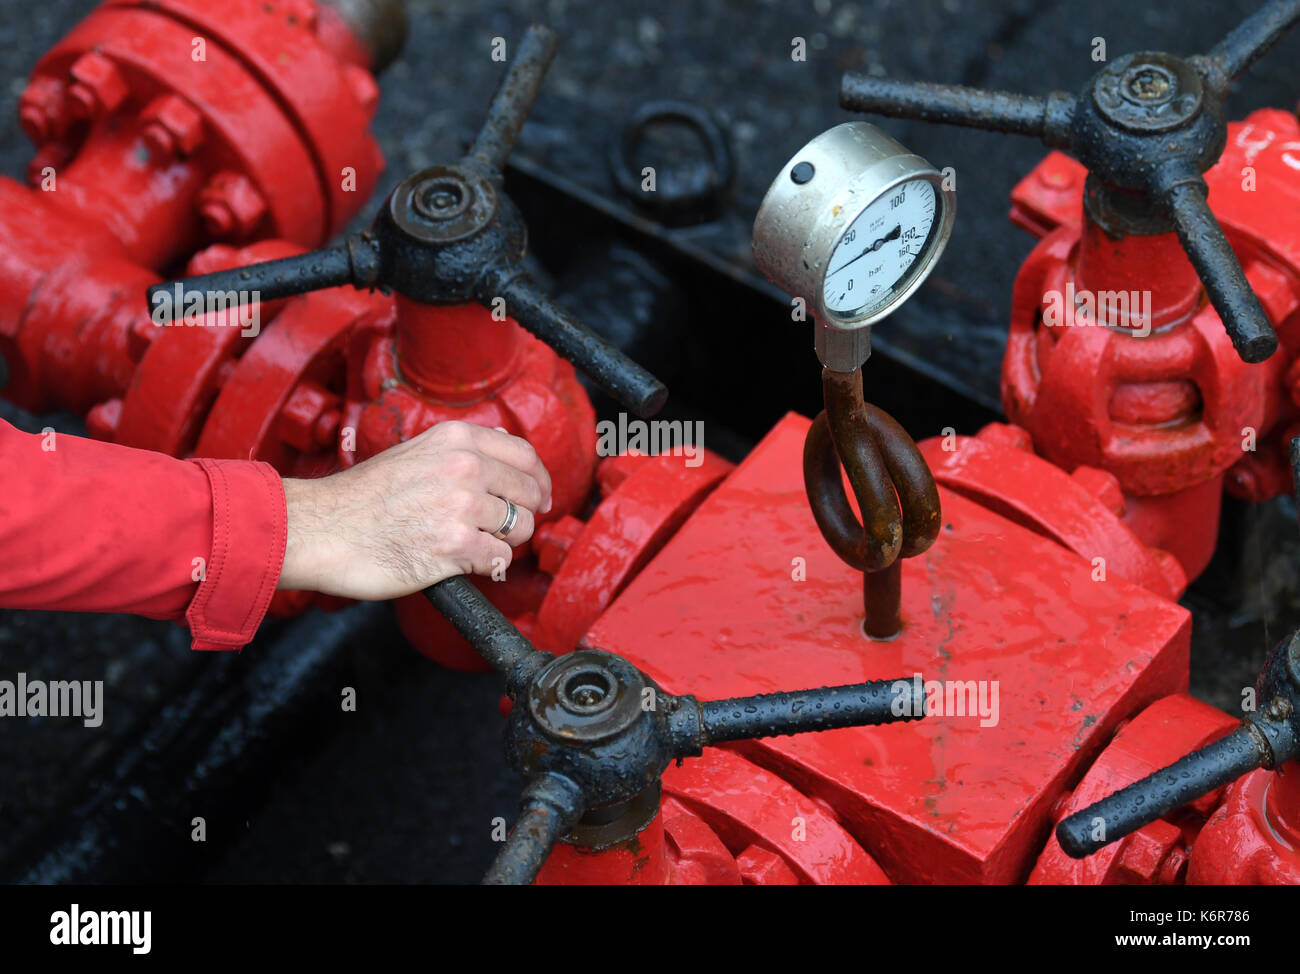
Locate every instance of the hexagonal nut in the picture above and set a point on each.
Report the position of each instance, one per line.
(97, 86)
(1006, 434)
(612, 471)
(762, 867)
(43, 110)
(230, 205)
(307, 405)
(1056, 174)
(172, 126)
(1103, 485)
(551, 542)
(103, 419)
(363, 86)
(1146, 852)
(144, 330)
(1172, 569)
(45, 162)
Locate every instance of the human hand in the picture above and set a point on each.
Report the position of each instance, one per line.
(417, 513)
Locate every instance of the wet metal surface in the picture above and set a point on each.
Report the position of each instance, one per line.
(408, 787)
(959, 796)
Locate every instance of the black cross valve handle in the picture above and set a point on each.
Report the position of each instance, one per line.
(1146, 126)
(592, 734)
(447, 235)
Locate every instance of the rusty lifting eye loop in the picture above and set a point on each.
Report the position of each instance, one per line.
(893, 486)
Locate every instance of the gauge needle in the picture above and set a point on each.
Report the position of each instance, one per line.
(893, 234)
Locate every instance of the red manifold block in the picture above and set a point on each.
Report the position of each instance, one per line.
(1056, 653)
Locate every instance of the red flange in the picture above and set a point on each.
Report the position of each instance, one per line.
(1157, 853)
(141, 117)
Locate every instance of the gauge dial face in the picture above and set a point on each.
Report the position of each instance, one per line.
(882, 249)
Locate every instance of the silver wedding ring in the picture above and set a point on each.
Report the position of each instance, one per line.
(508, 525)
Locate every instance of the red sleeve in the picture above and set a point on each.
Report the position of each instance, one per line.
(96, 527)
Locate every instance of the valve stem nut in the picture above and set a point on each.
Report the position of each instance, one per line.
(97, 86)
(231, 206)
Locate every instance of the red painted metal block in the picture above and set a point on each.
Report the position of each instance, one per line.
(721, 611)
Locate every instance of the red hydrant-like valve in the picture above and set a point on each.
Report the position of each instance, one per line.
(1267, 739)
(448, 242)
(140, 117)
(1114, 358)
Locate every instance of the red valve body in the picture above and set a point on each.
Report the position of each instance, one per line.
(141, 116)
(1175, 415)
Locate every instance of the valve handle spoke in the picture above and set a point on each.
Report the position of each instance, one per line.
(1251, 39)
(355, 262)
(996, 111)
(1184, 198)
(550, 808)
(611, 370)
(1159, 793)
(485, 628)
(794, 712)
(514, 99)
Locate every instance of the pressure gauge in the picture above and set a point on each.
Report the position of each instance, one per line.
(853, 224)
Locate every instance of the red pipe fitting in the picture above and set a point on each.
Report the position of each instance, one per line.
(1254, 836)
(140, 116)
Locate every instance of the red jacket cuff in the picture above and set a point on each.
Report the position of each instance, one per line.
(249, 528)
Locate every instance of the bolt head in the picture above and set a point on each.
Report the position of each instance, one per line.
(231, 206)
(173, 128)
(98, 87)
